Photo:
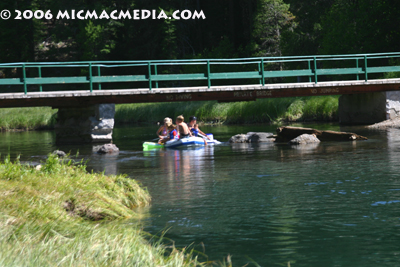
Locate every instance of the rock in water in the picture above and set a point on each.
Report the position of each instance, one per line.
(287, 133)
(239, 138)
(304, 139)
(259, 137)
(59, 153)
(252, 137)
(108, 148)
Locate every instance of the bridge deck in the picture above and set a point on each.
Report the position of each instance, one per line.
(220, 93)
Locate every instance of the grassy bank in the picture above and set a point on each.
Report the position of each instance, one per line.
(27, 118)
(321, 108)
(61, 215)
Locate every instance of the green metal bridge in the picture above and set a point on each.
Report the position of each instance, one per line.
(64, 84)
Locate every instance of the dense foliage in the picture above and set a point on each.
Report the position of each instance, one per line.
(232, 28)
(272, 110)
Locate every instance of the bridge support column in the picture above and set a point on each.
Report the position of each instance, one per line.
(85, 125)
(369, 108)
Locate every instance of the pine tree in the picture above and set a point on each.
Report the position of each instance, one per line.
(272, 20)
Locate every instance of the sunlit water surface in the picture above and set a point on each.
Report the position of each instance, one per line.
(332, 204)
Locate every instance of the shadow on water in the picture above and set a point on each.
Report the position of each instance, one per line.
(328, 204)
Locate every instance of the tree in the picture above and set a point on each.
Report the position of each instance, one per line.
(361, 26)
(307, 36)
(17, 37)
(272, 20)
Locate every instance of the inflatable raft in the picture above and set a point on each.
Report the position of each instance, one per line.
(184, 142)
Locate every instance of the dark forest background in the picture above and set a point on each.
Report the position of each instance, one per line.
(232, 28)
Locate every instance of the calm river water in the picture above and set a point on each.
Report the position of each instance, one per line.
(334, 204)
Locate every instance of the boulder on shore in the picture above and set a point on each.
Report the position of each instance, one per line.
(252, 137)
(392, 123)
(304, 139)
(106, 149)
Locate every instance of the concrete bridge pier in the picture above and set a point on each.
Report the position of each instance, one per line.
(91, 124)
(369, 108)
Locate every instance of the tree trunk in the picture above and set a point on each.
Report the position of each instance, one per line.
(287, 133)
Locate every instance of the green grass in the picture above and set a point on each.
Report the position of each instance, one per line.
(321, 108)
(83, 244)
(27, 118)
(61, 215)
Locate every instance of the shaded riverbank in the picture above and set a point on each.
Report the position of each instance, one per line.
(300, 109)
(60, 215)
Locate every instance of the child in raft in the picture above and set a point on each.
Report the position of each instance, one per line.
(196, 131)
(172, 134)
(183, 129)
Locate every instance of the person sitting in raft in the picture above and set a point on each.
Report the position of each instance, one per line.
(192, 122)
(163, 130)
(196, 131)
(182, 127)
(172, 134)
(191, 125)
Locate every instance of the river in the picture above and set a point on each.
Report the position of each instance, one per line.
(332, 204)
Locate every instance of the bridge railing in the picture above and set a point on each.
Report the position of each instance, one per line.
(147, 71)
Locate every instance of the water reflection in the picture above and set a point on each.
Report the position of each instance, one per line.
(107, 163)
(182, 170)
(26, 144)
(250, 147)
(393, 140)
